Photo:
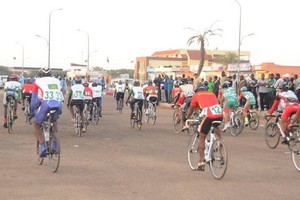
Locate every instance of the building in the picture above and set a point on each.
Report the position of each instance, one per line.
(269, 67)
(183, 61)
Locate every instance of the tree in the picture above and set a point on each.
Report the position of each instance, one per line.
(97, 68)
(229, 58)
(201, 39)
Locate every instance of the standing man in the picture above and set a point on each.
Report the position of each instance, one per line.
(170, 88)
(157, 82)
(263, 93)
(297, 86)
(216, 86)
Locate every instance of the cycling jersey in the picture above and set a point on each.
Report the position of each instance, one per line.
(208, 103)
(137, 92)
(230, 98)
(97, 91)
(150, 91)
(12, 88)
(77, 92)
(120, 88)
(88, 93)
(187, 90)
(27, 88)
(248, 96)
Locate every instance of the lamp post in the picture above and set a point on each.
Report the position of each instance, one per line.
(88, 48)
(49, 41)
(250, 34)
(239, 49)
(22, 56)
(46, 42)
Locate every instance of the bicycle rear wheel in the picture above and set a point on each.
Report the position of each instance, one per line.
(96, 115)
(272, 135)
(54, 156)
(10, 121)
(77, 124)
(147, 116)
(139, 120)
(177, 122)
(120, 105)
(236, 126)
(132, 121)
(254, 121)
(153, 115)
(219, 159)
(296, 153)
(193, 151)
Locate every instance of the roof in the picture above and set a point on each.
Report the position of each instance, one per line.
(195, 55)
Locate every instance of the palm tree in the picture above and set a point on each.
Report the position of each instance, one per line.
(229, 58)
(201, 38)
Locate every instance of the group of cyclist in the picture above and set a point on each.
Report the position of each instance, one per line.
(217, 107)
(46, 94)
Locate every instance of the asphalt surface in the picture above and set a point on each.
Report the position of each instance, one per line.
(113, 161)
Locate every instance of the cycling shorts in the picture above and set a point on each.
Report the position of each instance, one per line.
(77, 102)
(206, 124)
(289, 110)
(229, 105)
(44, 109)
(120, 95)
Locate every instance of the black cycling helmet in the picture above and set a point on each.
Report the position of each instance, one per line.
(283, 86)
(201, 87)
(44, 72)
(225, 84)
(136, 83)
(205, 83)
(94, 84)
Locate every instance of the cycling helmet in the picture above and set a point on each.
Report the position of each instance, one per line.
(283, 87)
(14, 77)
(225, 84)
(120, 82)
(136, 83)
(85, 84)
(252, 82)
(201, 87)
(244, 88)
(205, 83)
(94, 84)
(45, 72)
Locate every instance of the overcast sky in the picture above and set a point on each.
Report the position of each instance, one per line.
(125, 29)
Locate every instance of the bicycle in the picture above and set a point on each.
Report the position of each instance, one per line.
(253, 119)
(137, 117)
(77, 120)
(273, 132)
(236, 122)
(51, 142)
(151, 112)
(95, 113)
(10, 110)
(86, 114)
(27, 109)
(215, 150)
(177, 118)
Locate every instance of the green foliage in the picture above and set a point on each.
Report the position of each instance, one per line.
(5, 70)
(228, 58)
(114, 73)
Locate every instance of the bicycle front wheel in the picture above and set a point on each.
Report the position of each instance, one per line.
(177, 122)
(254, 121)
(236, 125)
(219, 159)
(193, 151)
(54, 156)
(272, 135)
(296, 153)
(39, 159)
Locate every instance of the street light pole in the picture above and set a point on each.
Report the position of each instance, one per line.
(49, 41)
(46, 42)
(239, 49)
(22, 56)
(88, 49)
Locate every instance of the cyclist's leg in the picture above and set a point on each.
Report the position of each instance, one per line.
(39, 117)
(203, 129)
(226, 110)
(81, 107)
(283, 123)
(141, 101)
(72, 109)
(245, 111)
(117, 99)
(99, 104)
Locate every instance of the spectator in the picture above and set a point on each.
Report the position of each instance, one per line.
(216, 86)
(241, 84)
(271, 89)
(297, 86)
(253, 88)
(210, 85)
(279, 81)
(170, 88)
(234, 82)
(166, 80)
(157, 81)
(223, 77)
(263, 93)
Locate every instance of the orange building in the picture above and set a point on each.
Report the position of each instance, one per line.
(269, 67)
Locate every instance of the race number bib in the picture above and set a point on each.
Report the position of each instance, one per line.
(53, 95)
(216, 109)
(77, 95)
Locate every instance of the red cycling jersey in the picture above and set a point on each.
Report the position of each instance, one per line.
(27, 88)
(208, 103)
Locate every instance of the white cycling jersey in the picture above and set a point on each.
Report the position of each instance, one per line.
(77, 92)
(138, 92)
(48, 88)
(97, 91)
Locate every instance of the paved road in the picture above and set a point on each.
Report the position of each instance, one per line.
(113, 161)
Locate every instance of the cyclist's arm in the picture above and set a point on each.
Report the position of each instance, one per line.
(69, 97)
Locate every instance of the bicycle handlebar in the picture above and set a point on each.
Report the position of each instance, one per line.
(190, 120)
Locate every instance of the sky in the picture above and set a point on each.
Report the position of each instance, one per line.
(123, 30)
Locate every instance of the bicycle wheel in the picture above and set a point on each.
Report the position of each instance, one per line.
(254, 121)
(236, 125)
(177, 122)
(27, 112)
(193, 151)
(219, 159)
(54, 156)
(139, 120)
(272, 135)
(9, 120)
(296, 153)
(86, 120)
(120, 105)
(39, 159)
(96, 115)
(153, 115)
(77, 124)
(147, 116)
(132, 121)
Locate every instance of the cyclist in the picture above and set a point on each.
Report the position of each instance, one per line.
(287, 102)
(119, 92)
(26, 92)
(97, 96)
(228, 98)
(183, 98)
(11, 88)
(250, 100)
(210, 111)
(137, 96)
(150, 95)
(46, 94)
(88, 97)
(76, 98)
